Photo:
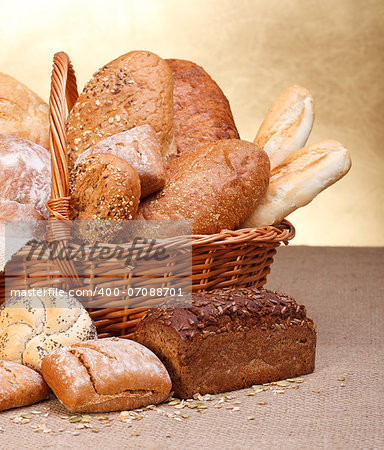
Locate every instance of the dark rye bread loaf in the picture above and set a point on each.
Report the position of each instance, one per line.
(230, 339)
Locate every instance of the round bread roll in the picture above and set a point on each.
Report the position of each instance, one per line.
(22, 112)
(25, 173)
(33, 326)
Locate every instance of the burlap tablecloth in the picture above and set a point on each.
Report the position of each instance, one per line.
(343, 290)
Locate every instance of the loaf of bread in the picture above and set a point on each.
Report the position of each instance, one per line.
(106, 375)
(104, 187)
(299, 179)
(140, 148)
(230, 339)
(33, 326)
(287, 124)
(202, 114)
(22, 112)
(134, 89)
(216, 186)
(20, 386)
(10, 210)
(25, 173)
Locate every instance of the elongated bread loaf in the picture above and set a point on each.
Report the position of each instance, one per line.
(287, 124)
(296, 182)
(215, 186)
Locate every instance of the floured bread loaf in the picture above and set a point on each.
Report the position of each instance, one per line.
(106, 375)
(296, 182)
(20, 386)
(32, 327)
(25, 173)
(287, 124)
(140, 148)
(134, 89)
(22, 112)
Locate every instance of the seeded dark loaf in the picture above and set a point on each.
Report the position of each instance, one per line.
(201, 111)
(230, 339)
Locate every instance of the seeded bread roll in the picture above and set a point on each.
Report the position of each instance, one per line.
(202, 114)
(20, 386)
(104, 187)
(230, 339)
(106, 375)
(140, 148)
(134, 89)
(215, 186)
(22, 112)
(33, 326)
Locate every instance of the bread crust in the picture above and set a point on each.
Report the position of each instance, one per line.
(132, 90)
(22, 112)
(215, 186)
(230, 339)
(20, 386)
(106, 375)
(202, 113)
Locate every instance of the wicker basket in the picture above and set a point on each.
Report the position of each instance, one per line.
(226, 259)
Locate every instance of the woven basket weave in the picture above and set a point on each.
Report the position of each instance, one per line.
(226, 259)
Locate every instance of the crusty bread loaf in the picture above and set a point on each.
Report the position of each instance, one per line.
(25, 173)
(134, 89)
(20, 386)
(230, 339)
(202, 114)
(299, 179)
(215, 186)
(22, 112)
(287, 124)
(140, 148)
(33, 326)
(106, 375)
(10, 210)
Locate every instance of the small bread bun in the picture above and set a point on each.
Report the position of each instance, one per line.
(33, 326)
(22, 112)
(287, 124)
(296, 182)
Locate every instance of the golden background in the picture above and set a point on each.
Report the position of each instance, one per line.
(254, 50)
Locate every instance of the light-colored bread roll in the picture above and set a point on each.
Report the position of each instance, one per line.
(20, 386)
(22, 112)
(140, 148)
(134, 89)
(25, 173)
(215, 186)
(296, 182)
(31, 327)
(106, 375)
(287, 124)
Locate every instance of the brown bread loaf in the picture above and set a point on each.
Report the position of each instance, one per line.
(20, 386)
(106, 375)
(22, 112)
(201, 111)
(134, 89)
(216, 186)
(104, 187)
(230, 339)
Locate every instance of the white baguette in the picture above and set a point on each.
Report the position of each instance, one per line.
(296, 182)
(287, 125)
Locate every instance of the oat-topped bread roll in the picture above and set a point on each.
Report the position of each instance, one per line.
(33, 326)
(230, 339)
(140, 148)
(134, 89)
(22, 112)
(25, 173)
(201, 111)
(20, 386)
(299, 179)
(287, 125)
(215, 186)
(106, 375)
